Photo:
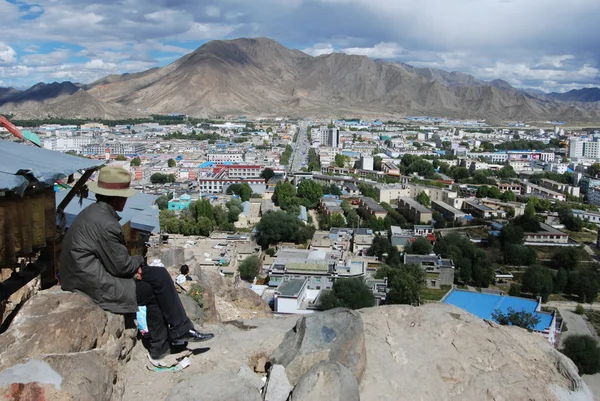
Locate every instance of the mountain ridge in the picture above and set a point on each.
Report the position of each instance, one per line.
(259, 77)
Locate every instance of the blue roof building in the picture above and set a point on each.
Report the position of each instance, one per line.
(181, 203)
(483, 305)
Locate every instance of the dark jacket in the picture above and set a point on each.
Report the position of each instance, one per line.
(95, 261)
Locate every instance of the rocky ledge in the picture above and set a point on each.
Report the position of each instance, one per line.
(61, 346)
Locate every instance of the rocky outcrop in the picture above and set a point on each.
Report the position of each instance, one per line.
(327, 381)
(431, 352)
(438, 352)
(62, 346)
(335, 336)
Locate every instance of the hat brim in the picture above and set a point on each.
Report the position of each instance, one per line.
(121, 193)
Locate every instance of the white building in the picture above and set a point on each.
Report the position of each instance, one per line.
(226, 157)
(64, 144)
(593, 195)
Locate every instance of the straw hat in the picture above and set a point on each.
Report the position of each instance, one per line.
(113, 181)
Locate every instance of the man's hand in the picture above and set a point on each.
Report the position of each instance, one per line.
(138, 275)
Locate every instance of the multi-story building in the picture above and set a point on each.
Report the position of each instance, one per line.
(115, 148)
(330, 137)
(438, 271)
(220, 157)
(64, 144)
(372, 208)
(593, 196)
(222, 176)
(414, 211)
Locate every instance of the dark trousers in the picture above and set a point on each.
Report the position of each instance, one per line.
(165, 314)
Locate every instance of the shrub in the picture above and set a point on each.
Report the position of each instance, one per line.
(584, 352)
(197, 294)
(250, 267)
(580, 310)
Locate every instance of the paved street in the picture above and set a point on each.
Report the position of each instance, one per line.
(301, 146)
(575, 323)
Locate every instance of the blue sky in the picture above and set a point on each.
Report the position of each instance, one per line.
(549, 45)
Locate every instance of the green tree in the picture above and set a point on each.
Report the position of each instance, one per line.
(584, 351)
(250, 268)
(203, 208)
(423, 199)
(368, 190)
(514, 290)
(245, 192)
(121, 158)
(512, 317)
(136, 161)
(508, 196)
(267, 174)
(566, 257)
(538, 281)
(405, 283)
(171, 163)
(159, 178)
(379, 247)
(162, 202)
(377, 160)
(459, 173)
(279, 226)
(421, 246)
(332, 189)
(341, 160)
(507, 172)
(337, 220)
(585, 285)
(561, 280)
(352, 219)
(283, 194)
(350, 293)
(594, 169)
(511, 234)
(311, 192)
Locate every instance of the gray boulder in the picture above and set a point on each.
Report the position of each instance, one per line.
(63, 346)
(192, 308)
(336, 336)
(327, 381)
(247, 374)
(278, 386)
(214, 387)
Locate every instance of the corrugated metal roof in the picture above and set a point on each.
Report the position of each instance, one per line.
(46, 166)
(138, 210)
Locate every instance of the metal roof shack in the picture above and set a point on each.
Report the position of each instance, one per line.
(29, 239)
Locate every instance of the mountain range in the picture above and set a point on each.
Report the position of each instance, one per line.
(260, 77)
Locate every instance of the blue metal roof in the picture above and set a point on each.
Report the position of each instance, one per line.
(483, 305)
(139, 211)
(44, 165)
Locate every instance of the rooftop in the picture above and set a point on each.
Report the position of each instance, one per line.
(415, 205)
(483, 305)
(291, 288)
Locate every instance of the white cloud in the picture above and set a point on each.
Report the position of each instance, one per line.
(319, 49)
(213, 11)
(52, 58)
(8, 55)
(385, 50)
(100, 65)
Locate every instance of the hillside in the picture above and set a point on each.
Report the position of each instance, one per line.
(260, 77)
(578, 95)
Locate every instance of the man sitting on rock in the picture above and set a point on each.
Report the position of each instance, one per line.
(95, 261)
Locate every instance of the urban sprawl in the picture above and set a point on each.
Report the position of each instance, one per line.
(411, 211)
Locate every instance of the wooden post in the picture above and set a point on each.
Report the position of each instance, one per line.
(86, 176)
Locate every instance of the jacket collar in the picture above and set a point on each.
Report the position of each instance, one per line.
(109, 209)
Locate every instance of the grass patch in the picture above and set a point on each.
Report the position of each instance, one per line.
(557, 297)
(583, 236)
(434, 294)
(594, 318)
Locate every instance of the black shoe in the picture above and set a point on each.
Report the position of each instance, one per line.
(192, 336)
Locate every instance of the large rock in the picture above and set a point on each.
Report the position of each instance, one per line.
(327, 381)
(278, 386)
(439, 352)
(192, 308)
(62, 346)
(214, 387)
(336, 336)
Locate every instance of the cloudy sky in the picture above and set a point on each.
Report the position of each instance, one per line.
(551, 45)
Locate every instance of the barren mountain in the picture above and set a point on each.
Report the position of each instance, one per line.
(260, 77)
(578, 95)
(79, 105)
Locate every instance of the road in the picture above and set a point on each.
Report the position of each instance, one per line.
(299, 156)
